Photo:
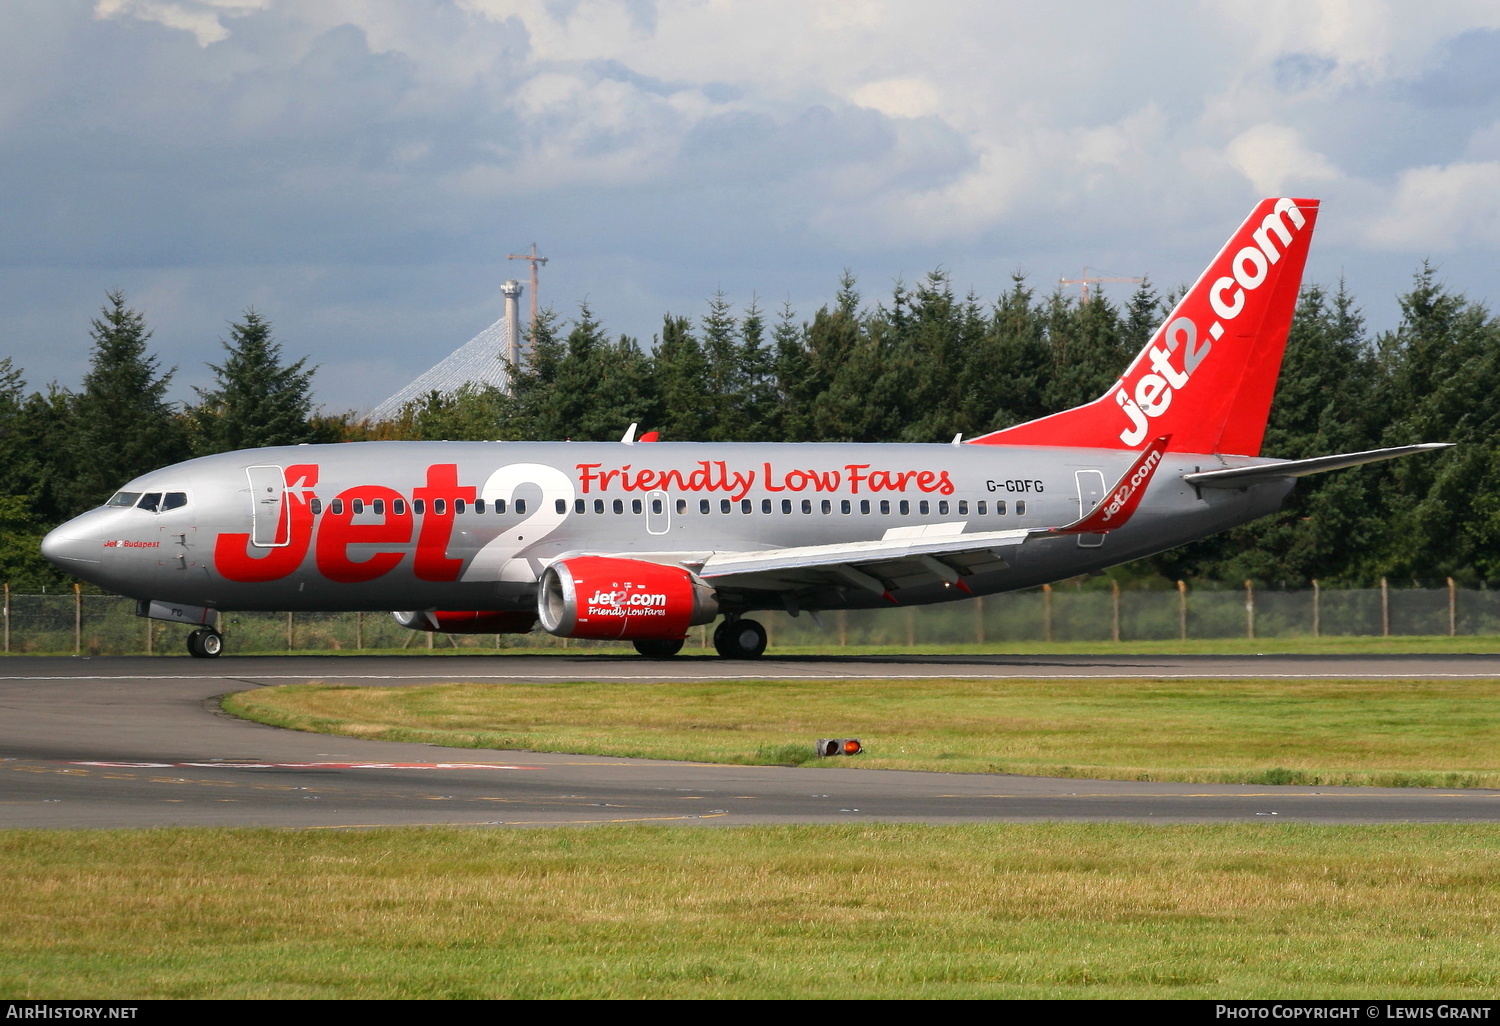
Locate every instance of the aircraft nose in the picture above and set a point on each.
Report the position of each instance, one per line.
(73, 544)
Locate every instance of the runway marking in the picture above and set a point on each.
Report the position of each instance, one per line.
(1130, 673)
(303, 765)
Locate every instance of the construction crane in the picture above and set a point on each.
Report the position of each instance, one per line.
(535, 262)
(1085, 281)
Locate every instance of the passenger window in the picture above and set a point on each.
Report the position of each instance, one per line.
(150, 501)
(656, 507)
(806, 505)
(359, 505)
(336, 507)
(786, 505)
(765, 505)
(1020, 507)
(398, 507)
(924, 507)
(963, 507)
(499, 505)
(561, 505)
(579, 505)
(419, 506)
(746, 506)
(845, 506)
(827, 506)
(124, 499)
(520, 507)
(174, 500)
(439, 506)
(724, 505)
(999, 507)
(378, 505)
(905, 508)
(316, 505)
(943, 508)
(885, 507)
(598, 505)
(478, 505)
(864, 506)
(459, 505)
(635, 505)
(681, 506)
(702, 505)
(983, 507)
(619, 506)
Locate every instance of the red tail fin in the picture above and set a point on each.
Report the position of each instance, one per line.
(1208, 374)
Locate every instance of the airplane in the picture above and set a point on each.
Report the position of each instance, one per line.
(640, 540)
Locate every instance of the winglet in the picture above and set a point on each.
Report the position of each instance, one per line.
(1115, 511)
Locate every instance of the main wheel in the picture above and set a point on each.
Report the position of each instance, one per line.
(205, 643)
(658, 648)
(740, 639)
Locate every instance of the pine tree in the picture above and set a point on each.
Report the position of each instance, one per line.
(257, 401)
(121, 423)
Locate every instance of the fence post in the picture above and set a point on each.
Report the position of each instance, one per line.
(77, 620)
(979, 620)
(1385, 610)
(911, 626)
(148, 635)
(1317, 609)
(1046, 612)
(1182, 610)
(288, 630)
(1249, 610)
(1114, 621)
(359, 631)
(1452, 610)
(843, 621)
(7, 616)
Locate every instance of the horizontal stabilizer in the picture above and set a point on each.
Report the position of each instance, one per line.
(1239, 477)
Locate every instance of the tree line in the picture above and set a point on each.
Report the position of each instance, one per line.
(922, 365)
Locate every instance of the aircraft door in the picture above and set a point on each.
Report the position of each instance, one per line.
(1090, 493)
(270, 526)
(658, 512)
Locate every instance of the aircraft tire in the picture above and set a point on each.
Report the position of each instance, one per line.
(205, 643)
(659, 648)
(740, 639)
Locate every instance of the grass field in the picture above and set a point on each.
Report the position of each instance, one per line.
(1039, 910)
(1384, 733)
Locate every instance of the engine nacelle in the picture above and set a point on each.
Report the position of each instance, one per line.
(609, 597)
(467, 621)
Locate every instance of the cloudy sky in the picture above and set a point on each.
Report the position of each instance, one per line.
(357, 170)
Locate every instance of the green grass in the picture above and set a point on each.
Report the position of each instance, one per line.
(1383, 733)
(1018, 910)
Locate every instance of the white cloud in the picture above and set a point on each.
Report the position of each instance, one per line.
(199, 17)
(1439, 209)
(1274, 156)
(900, 97)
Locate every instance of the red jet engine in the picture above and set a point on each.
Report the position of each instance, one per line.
(609, 597)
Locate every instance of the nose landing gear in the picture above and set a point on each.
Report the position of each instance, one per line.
(205, 643)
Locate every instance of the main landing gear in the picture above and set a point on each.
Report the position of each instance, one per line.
(205, 643)
(740, 639)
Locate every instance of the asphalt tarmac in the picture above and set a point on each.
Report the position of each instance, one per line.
(140, 742)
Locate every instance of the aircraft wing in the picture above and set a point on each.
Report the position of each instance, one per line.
(920, 554)
(1239, 477)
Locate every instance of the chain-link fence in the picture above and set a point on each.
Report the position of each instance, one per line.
(73, 622)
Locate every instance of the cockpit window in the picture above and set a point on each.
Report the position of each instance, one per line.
(123, 499)
(174, 500)
(150, 501)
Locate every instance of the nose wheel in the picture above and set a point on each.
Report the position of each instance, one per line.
(658, 648)
(740, 639)
(205, 643)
